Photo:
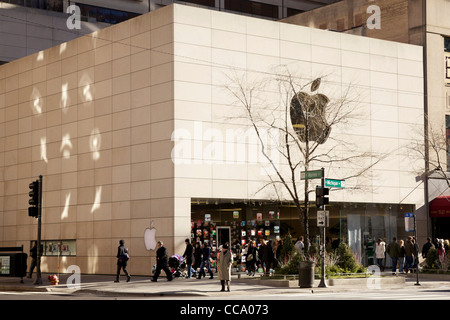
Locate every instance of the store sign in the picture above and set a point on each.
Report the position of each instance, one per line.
(409, 222)
(5, 263)
(322, 218)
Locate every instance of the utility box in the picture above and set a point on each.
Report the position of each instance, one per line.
(13, 264)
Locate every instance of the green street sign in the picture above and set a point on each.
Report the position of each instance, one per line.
(315, 174)
(333, 183)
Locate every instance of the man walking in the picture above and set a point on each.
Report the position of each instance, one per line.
(162, 260)
(206, 254)
(426, 247)
(393, 250)
(188, 254)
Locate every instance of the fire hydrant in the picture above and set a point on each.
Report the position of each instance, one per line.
(53, 279)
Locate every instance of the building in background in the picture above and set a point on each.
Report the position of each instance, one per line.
(423, 23)
(28, 26)
(130, 127)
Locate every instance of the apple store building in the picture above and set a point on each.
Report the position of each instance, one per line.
(194, 123)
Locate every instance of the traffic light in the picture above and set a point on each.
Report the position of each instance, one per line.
(34, 199)
(321, 198)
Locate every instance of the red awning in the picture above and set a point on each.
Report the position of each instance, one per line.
(440, 207)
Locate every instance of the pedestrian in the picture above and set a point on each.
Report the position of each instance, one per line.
(206, 255)
(251, 258)
(189, 256)
(415, 254)
(441, 252)
(122, 261)
(162, 260)
(393, 250)
(276, 252)
(409, 254)
(224, 262)
(402, 256)
(426, 247)
(197, 257)
(33, 255)
(380, 250)
(300, 245)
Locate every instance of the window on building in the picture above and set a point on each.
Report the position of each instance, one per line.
(447, 44)
(447, 139)
(104, 14)
(293, 12)
(253, 8)
(51, 5)
(206, 3)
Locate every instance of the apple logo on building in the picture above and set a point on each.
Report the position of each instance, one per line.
(308, 115)
(150, 237)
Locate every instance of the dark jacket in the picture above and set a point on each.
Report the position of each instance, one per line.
(267, 253)
(426, 247)
(189, 253)
(197, 256)
(206, 252)
(393, 250)
(161, 256)
(121, 250)
(33, 252)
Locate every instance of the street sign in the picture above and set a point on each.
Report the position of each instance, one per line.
(334, 183)
(322, 218)
(409, 222)
(315, 174)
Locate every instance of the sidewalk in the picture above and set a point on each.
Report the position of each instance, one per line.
(141, 286)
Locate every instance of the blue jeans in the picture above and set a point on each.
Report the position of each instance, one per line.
(208, 265)
(409, 262)
(394, 265)
(402, 263)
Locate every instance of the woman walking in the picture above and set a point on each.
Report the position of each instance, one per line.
(224, 262)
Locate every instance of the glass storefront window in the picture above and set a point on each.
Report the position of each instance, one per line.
(357, 224)
(58, 247)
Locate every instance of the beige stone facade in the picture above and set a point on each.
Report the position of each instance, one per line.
(96, 117)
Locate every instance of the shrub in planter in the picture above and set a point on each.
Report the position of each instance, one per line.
(347, 261)
(432, 259)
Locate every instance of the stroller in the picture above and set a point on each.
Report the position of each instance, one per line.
(177, 266)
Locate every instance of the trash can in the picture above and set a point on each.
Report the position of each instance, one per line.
(306, 274)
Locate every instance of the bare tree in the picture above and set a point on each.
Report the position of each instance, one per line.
(310, 130)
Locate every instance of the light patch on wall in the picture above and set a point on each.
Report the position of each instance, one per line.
(44, 149)
(85, 83)
(97, 200)
(62, 47)
(66, 146)
(36, 101)
(95, 142)
(65, 212)
(64, 97)
(40, 56)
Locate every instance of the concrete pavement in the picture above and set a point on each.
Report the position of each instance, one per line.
(248, 287)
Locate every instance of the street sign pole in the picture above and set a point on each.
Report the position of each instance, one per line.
(416, 250)
(323, 283)
(38, 280)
